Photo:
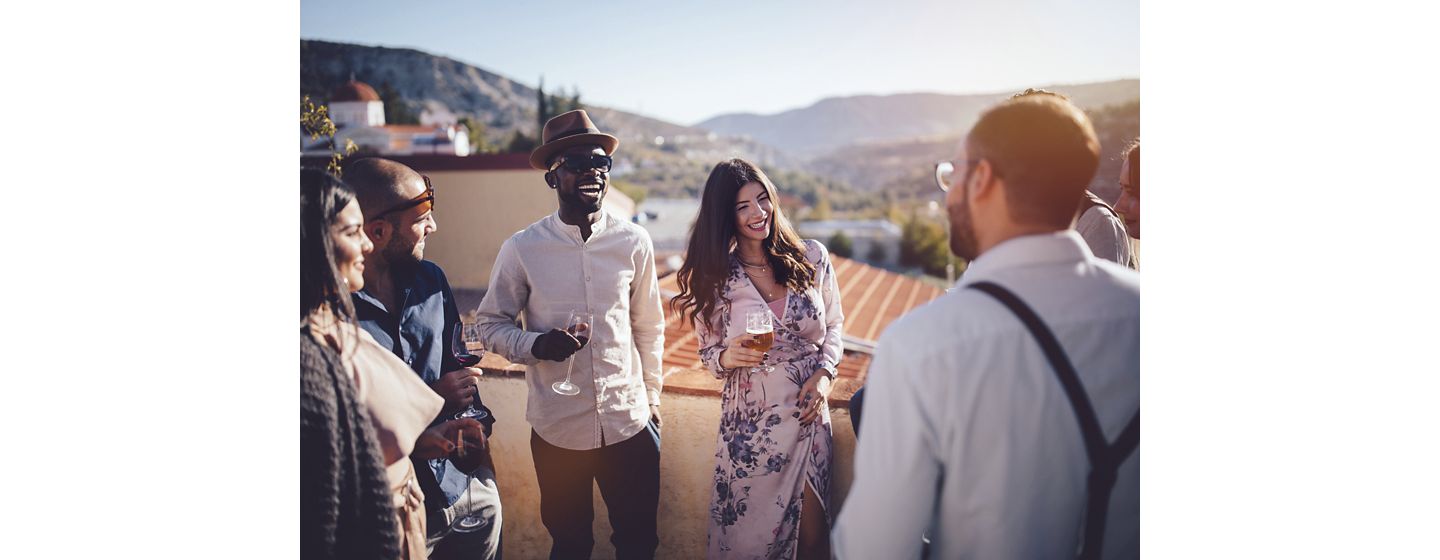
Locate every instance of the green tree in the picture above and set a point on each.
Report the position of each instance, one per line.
(520, 143)
(822, 209)
(924, 244)
(396, 110)
(840, 244)
(877, 253)
(478, 144)
(635, 192)
(542, 107)
(315, 121)
(549, 105)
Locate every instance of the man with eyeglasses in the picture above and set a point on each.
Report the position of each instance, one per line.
(407, 305)
(584, 260)
(1003, 417)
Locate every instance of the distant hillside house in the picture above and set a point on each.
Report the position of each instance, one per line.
(864, 233)
(359, 116)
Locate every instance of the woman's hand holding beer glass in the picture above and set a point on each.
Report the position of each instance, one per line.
(741, 353)
(752, 349)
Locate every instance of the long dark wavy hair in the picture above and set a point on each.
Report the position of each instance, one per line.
(707, 259)
(322, 197)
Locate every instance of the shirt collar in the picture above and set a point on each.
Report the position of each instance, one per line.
(1044, 248)
(365, 296)
(573, 232)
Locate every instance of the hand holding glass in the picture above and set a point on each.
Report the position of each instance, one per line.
(459, 347)
(762, 331)
(579, 326)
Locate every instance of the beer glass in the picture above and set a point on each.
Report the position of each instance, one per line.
(762, 332)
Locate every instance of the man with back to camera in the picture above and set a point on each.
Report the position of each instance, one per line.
(607, 431)
(1099, 224)
(999, 399)
(407, 306)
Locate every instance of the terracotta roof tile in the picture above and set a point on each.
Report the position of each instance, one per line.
(414, 129)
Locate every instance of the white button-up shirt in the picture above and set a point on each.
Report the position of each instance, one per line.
(543, 273)
(967, 431)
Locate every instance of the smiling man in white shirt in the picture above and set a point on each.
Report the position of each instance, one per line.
(582, 259)
(975, 432)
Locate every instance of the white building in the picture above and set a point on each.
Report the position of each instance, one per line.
(359, 116)
(866, 234)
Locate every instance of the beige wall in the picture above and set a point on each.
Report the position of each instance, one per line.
(477, 210)
(687, 462)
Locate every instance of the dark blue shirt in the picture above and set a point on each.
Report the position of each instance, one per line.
(420, 333)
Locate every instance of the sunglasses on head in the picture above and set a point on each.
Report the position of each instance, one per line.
(583, 162)
(426, 201)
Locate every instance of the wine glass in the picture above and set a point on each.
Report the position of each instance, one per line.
(579, 326)
(460, 347)
(762, 332)
(473, 520)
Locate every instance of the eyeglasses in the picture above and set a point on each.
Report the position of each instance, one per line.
(945, 173)
(426, 201)
(583, 162)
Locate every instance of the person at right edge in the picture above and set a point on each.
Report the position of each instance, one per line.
(1003, 417)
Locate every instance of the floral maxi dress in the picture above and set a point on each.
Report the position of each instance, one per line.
(765, 457)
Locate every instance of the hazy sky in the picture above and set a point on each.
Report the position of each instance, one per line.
(688, 61)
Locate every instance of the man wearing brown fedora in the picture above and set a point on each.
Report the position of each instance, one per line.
(594, 389)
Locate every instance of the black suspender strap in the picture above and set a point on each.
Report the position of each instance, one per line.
(1105, 458)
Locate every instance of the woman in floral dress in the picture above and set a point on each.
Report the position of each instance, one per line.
(771, 497)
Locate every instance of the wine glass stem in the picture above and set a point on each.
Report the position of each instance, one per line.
(569, 365)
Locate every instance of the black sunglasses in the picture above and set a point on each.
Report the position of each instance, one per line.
(426, 198)
(583, 162)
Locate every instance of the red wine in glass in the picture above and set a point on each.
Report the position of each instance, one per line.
(579, 327)
(459, 347)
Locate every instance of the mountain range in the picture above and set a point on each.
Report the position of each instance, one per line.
(864, 141)
(442, 88)
(837, 122)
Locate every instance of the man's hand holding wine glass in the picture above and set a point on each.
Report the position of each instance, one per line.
(555, 345)
(458, 388)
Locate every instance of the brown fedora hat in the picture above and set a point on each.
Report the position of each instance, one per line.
(570, 129)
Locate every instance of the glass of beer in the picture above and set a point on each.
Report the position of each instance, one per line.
(762, 336)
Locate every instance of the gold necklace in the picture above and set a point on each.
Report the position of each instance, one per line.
(754, 266)
(769, 295)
